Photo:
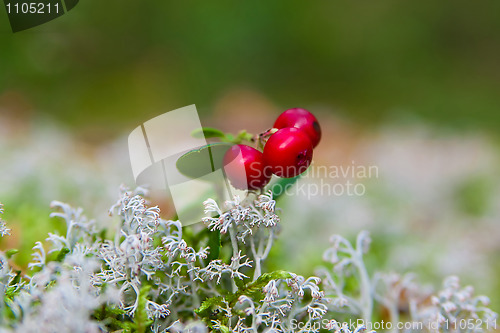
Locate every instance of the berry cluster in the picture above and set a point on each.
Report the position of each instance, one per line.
(287, 152)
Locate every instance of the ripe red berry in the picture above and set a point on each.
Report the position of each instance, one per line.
(245, 168)
(288, 152)
(301, 119)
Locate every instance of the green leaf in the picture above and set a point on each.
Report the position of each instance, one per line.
(215, 245)
(14, 288)
(207, 132)
(202, 161)
(62, 254)
(239, 283)
(224, 329)
(255, 287)
(141, 320)
(17, 278)
(205, 308)
(242, 136)
(112, 315)
(11, 252)
(279, 187)
(252, 290)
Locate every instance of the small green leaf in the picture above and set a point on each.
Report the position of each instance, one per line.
(11, 252)
(224, 329)
(17, 278)
(112, 315)
(239, 283)
(279, 188)
(202, 161)
(255, 287)
(62, 254)
(207, 132)
(243, 136)
(14, 288)
(214, 243)
(205, 308)
(141, 320)
(205, 311)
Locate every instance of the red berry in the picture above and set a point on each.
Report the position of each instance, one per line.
(245, 168)
(288, 152)
(301, 119)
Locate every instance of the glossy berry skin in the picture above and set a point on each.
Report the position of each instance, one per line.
(288, 152)
(244, 166)
(301, 119)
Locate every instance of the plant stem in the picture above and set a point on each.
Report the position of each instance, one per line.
(366, 289)
(234, 243)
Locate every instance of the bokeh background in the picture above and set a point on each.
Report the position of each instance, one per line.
(410, 87)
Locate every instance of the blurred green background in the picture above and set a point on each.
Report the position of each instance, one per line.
(105, 67)
(108, 64)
